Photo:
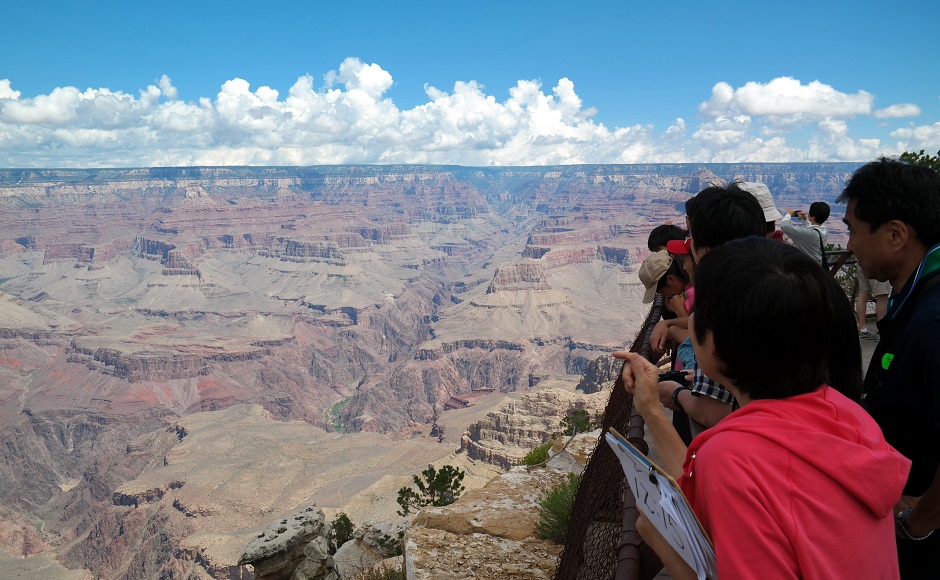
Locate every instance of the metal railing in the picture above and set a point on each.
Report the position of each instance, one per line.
(602, 542)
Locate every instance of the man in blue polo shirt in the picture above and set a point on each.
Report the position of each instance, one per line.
(893, 216)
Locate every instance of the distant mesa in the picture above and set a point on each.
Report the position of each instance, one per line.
(520, 276)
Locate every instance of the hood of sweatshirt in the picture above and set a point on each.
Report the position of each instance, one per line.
(832, 435)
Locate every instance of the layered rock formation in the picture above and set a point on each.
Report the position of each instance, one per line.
(600, 374)
(354, 298)
(504, 436)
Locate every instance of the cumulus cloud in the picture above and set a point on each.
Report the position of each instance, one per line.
(350, 118)
(785, 100)
(6, 91)
(833, 139)
(166, 87)
(898, 111)
(919, 137)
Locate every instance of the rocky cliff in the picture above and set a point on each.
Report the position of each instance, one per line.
(504, 436)
(294, 547)
(349, 298)
(489, 533)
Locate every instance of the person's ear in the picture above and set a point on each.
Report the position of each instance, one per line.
(899, 234)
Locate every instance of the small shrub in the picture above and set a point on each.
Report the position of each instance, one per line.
(391, 546)
(341, 531)
(334, 416)
(555, 509)
(579, 421)
(537, 456)
(435, 488)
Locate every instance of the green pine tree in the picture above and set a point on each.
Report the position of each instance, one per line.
(435, 488)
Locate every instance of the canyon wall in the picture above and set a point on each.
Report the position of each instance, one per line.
(351, 298)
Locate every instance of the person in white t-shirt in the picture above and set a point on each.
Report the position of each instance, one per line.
(811, 237)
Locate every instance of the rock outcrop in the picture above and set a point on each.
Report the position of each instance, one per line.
(526, 276)
(505, 436)
(372, 544)
(489, 533)
(599, 374)
(294, 548)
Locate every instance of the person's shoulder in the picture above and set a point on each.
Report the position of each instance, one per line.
(928, 305)
(725, 448)
(933, 279)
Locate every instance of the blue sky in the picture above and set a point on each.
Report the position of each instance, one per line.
(476, 83)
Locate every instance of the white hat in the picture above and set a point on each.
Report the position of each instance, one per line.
(651, 270)
(763, 197)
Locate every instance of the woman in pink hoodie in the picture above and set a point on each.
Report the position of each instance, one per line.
(799, 482)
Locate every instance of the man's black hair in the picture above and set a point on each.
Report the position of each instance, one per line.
(753, 296)
(664, 233)
(720, 214)
(819, 211)
(888, 189)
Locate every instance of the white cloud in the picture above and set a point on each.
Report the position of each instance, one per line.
(898, 111)
(6, 91)
(167, 88)
(785, 100)
(676, 131)
(351, 119)
(919, 137)
(720, 102)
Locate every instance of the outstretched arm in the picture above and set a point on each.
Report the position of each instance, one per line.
(659, 339)
(804, 235)
(641, 379)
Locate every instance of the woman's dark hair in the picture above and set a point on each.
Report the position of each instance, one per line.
(781, 325)
(675, 269)
(664, 233)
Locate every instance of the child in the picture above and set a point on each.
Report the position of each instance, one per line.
(665, 273)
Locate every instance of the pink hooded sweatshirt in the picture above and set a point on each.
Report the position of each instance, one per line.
(802, 487)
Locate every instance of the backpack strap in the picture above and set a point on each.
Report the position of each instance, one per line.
(822, 250)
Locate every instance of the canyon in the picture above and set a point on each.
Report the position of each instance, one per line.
(187, 354)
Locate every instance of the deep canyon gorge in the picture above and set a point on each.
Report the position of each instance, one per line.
(186, 354)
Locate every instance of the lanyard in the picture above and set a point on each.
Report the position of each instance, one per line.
(930, 263)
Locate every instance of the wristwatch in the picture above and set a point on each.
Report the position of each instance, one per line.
(675, 398)
(900, 519)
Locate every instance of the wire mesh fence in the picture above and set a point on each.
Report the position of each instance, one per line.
(602, 543)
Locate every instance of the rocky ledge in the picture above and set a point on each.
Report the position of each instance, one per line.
(489, 533)
(293, 548)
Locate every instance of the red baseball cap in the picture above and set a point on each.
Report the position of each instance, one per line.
(679, 246)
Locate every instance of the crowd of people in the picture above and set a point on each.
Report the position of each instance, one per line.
(796, 466)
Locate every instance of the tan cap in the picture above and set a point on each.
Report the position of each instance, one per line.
(652, 269)
(763, 197)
